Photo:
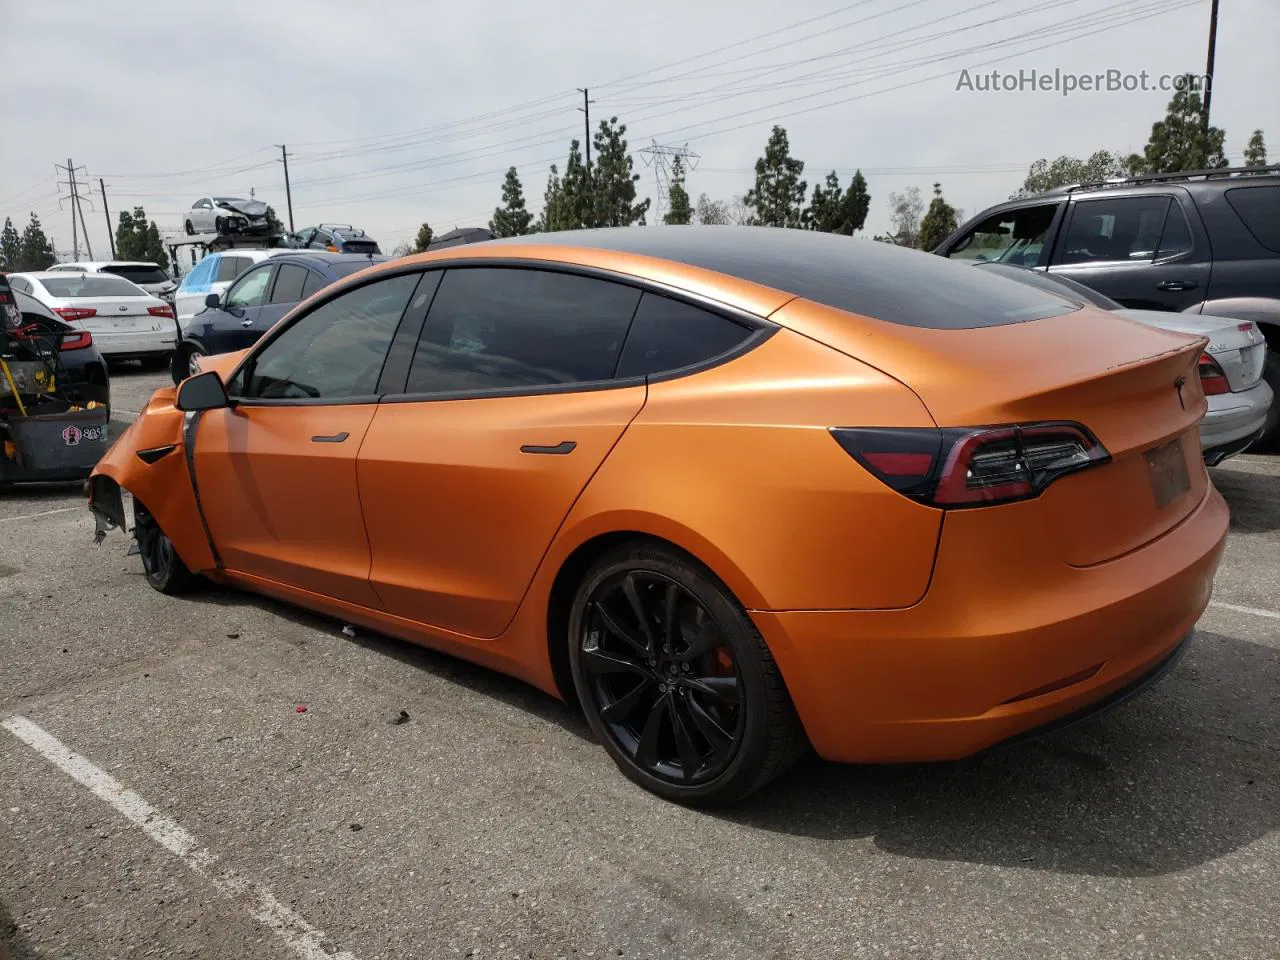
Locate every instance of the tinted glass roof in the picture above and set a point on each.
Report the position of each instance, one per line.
(862, 276)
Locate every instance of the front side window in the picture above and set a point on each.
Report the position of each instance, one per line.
(1015, 236)
(668, 335)
(508, 328)
(335, 351)
(250, 290)
(1115, 229)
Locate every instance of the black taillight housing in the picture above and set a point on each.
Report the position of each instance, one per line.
(955, 467)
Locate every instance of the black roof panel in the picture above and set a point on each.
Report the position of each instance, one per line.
(878, 280)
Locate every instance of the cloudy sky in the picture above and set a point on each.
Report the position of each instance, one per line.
(396, 112)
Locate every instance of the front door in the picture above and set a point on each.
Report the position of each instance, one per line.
(507, 412)
(277, 470)
(242, 305)
(1147, 251)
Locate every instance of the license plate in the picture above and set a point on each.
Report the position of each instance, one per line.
(1167, 471)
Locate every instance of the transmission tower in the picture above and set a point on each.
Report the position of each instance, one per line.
(660, 157)
(76, 199)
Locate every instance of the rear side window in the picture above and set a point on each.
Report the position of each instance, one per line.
(313, 284)
(138, 274)
(667, 335)
(492, 329)
(230, 267)
(290, 279)
(1259, 209)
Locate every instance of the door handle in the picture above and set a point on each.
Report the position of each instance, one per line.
(563, 447)
(1175, 285)
(336, 438)
(246, 323)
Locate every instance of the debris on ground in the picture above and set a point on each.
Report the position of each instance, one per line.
(401, 717)
(348, 630)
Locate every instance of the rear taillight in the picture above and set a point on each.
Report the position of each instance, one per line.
(76, 341)
(969, 467)
(161, 312)
(1212, 379)
(75, 313)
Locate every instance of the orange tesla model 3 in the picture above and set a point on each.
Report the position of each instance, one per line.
(734, 490)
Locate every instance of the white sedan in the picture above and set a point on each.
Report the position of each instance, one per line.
(125, 321)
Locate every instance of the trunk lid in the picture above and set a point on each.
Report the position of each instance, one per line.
(118, 314)
(1134, 386)
(1238, 346)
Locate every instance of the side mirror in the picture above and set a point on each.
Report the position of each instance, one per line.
(204, 391)
(212, 301)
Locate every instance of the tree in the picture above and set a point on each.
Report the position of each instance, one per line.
(1255, 154)
(939, 222)
(573, 208)
(10, 245)
(512, 219)
(739, 211)
(552, 201)
(679, 210)
(1180, 141)
(710, 212)
(612, 185)
(423, 239)
(139, 239)
(833, 210)
(127, 238)
(274, 226)
(36, 252)
(403, 250)
(1043, 175)
(777, 199)
(155, 247)
(905, 210)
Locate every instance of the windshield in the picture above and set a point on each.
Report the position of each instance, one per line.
(139, 273)
(89, 285)
(228, 200)
(1062, 286)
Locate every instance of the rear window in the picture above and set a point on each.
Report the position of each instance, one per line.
(879, 280)
(359, 246)
(1259, 209)
(91, 285)
(139, 274)
(231, 267)
(347, 268)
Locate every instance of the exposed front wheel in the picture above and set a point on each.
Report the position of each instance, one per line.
(164, 568)
(676, 682)
(1271, 373)
(186, 360)
(190, 229)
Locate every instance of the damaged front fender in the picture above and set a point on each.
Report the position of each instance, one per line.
(150, 460)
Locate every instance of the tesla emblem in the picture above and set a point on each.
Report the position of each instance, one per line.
(1178, 385)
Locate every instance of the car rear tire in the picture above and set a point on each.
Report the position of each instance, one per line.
(190, 229)
(164, 569)
(675, 680)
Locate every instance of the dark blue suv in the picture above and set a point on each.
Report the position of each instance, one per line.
(256, 299)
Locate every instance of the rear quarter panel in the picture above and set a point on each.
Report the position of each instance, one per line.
(736, 465)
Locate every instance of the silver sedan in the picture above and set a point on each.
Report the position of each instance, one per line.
(1230, 368)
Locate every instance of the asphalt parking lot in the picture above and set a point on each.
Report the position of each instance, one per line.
(421, 807)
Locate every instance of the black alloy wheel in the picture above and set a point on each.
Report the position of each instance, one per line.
(675, 680)
(163, 567)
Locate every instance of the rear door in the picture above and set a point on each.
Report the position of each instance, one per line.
(508, 407)
(286, 290)
(1148, 251)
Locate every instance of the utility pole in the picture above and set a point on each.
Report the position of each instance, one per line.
(71, 185)
(106, 213)
(586, 126)
(288, 197)
(1208, 70)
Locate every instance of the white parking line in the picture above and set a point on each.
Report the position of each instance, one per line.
(44, 513)
(298, 935)
(1256, 611)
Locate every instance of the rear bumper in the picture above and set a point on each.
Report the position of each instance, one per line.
(1234, 419)
(135, 344)
(1008, 639)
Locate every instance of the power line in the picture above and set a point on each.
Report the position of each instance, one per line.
(76, 211)
(661, 157)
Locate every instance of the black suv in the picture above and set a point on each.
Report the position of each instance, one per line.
(1204, 241)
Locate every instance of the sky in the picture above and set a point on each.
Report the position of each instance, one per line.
(397, 112)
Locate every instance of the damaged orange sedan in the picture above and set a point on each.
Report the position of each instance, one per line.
(736, 491)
